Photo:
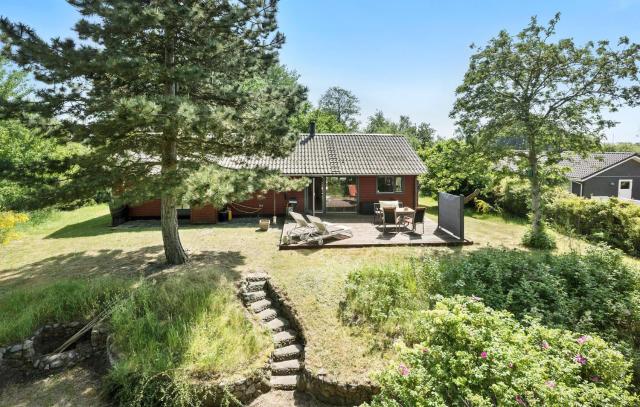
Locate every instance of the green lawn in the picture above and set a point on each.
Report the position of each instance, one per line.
(79, 245)
(186, 320)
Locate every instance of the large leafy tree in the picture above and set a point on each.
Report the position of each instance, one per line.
(419, 135)
(326, 122)
(551, 94)
(343, 104)
(158, 88)
(454, 166)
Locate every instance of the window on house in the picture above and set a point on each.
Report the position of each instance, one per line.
(390, 184)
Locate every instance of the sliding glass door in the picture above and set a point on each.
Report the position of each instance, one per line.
(342, 194)
(314, 196)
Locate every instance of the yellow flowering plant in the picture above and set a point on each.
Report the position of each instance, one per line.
(8, 221)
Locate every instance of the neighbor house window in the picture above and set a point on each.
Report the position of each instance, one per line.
(390, 184)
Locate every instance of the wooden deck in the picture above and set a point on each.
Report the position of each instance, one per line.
(365, 234)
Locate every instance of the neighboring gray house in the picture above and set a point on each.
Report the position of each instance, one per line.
(605, 175)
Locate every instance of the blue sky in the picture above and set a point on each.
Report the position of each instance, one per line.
(401, 57)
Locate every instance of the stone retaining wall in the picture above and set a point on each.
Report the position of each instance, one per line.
(333, 391)
(35, 352)
(244, 389)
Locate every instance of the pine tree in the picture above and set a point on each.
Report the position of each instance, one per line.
(158, 88)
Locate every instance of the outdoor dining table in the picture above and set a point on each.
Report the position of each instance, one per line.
(403, 214)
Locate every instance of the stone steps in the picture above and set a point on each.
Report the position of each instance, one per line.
(253, 296)
(287, 358)
(294, 351)
(285, 367)
(260, 305)
(257, 277)
(255, 286)
(267, 314)
(284, 338)
(284, 382)
(277, 324)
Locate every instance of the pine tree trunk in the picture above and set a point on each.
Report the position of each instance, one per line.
(173, 250)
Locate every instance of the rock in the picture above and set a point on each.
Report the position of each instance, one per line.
(16, 348)
(57, 363)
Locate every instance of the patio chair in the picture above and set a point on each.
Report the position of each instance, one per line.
(377, 213)
(390, 204)
(326, 230)
(393, 204)
(303, 229)
(389, 217)
(419, 217)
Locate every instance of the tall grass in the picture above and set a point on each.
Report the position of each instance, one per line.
(380, 295)
(187, 326)
(23, 310)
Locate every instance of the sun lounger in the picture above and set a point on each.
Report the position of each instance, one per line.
(303, 228)
(327, 230)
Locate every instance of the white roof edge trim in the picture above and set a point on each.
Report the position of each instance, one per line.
(633, 157)
(351, 175)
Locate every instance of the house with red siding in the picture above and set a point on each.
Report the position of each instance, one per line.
(348, 173)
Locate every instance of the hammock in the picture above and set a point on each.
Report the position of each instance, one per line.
(241, 208)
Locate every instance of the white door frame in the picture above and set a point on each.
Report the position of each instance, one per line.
(630, 181)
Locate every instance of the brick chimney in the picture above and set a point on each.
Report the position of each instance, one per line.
(312, 128)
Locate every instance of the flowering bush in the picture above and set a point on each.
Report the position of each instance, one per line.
(594, 292)
(8, 221)
(468, 354)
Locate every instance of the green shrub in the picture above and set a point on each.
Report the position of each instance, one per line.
(380, 295)
(540, 239)
(513, 196)
(594, 292)
(468, 354)
(612, 221)
(23, 310)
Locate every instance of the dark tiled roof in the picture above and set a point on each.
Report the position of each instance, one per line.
(341, 154)
(582, 167)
